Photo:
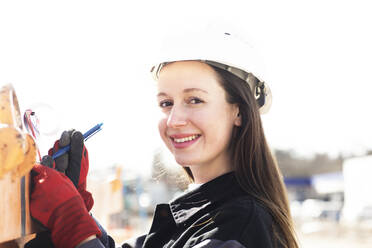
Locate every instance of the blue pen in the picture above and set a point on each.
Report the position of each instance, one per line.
(86, 136)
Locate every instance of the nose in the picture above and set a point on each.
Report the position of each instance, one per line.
(177, 118)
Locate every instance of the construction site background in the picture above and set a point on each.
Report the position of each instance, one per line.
(321, 192)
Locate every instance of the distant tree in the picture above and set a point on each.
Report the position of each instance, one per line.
(293, 165)
(369, 152)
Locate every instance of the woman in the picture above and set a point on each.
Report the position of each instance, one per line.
(212, 126)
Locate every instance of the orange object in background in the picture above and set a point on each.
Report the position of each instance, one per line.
(17, 157)
(116, 184)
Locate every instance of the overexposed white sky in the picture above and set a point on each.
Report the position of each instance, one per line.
(89, 62)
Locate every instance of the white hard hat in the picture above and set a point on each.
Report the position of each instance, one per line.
(221, 50)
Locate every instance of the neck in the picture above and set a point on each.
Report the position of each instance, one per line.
(206, 172)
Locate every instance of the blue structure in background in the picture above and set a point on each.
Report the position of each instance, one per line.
(298, 181)
(310, 181)
(315, 186)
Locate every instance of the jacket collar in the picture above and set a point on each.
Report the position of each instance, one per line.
(220, 189)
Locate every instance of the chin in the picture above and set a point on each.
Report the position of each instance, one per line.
(184, 162)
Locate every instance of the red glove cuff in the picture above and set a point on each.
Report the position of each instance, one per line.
(70, 224)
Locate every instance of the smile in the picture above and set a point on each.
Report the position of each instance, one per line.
(180, 142)
(185, 139)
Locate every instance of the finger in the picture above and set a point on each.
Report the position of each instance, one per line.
(62, 142)
(47, 161)
(75, 154)
(65, 138)
(62, 163)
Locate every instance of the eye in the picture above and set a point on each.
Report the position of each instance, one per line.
(165, 103)
(195, 100)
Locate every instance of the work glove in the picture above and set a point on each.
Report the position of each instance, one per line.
(57, 205)
(74, 163)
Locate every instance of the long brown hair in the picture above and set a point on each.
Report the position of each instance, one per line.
(256, 169)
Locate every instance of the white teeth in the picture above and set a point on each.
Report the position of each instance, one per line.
(186, 139)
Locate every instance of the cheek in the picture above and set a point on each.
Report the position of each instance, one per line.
(162, 127)
(162, 124)
(217, 122)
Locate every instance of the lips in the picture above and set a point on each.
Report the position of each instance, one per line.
(184, 140)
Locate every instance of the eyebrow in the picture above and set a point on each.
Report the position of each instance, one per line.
(185, 91)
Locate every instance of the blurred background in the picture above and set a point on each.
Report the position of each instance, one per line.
(79, 63)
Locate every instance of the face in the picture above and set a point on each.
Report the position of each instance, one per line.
(197, 122)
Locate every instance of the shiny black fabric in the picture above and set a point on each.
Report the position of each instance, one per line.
(218, 211)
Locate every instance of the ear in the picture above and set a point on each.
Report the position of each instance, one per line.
(237, 116)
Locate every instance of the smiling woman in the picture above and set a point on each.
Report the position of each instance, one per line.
(210, 99)
(195, 110)
(211, 102)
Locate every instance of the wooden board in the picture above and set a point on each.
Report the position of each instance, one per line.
(15, 221)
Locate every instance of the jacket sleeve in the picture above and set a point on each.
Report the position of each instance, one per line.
(132, 243)
(135, 242)
(105, 239)
(94, 243)
(213, 243)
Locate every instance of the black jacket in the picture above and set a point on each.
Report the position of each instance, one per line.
(218, 214)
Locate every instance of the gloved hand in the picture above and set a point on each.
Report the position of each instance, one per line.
(75, 163)
(57, 204)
